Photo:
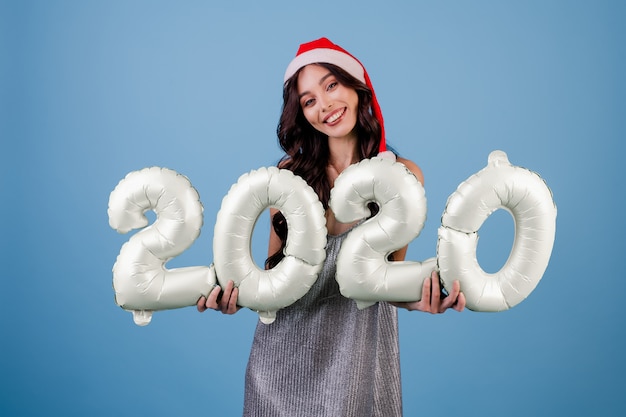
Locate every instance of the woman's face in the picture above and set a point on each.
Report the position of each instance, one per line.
(329, 106)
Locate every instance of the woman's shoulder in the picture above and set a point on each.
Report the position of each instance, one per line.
(413, 167)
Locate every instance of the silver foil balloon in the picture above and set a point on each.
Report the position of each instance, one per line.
(527, 197)
(266, 291)
(363, 271)
(141, 282)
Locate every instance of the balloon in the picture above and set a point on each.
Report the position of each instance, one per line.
(267, 291)
(526, 196)
(363, 271)
(141, 282)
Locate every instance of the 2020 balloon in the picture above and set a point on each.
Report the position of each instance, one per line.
(143, 284)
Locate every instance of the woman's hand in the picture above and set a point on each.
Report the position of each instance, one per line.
(226, 301)
(432, 300)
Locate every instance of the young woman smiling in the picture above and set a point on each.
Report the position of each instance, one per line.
(323, 356)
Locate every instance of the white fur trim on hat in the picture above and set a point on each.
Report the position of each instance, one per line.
(330, 56)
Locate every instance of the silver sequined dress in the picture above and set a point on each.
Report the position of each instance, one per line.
(323, 357)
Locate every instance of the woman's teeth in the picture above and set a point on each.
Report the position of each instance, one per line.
(335, 116)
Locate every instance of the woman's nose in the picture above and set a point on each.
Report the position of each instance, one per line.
(327, 104)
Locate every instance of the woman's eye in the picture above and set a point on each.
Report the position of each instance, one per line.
(332, 85)
(307, 102)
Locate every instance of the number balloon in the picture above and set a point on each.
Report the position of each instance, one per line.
(526, 196)
(267, 291)
(363, 272)
(141, 282)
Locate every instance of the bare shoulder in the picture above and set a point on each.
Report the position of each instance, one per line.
(412, 166)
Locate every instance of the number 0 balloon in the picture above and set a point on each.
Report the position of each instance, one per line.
(526, 196)
(267, 291)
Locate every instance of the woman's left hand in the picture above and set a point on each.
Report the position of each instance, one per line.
(432, 300)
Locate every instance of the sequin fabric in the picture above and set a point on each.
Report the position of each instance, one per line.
(323, 357)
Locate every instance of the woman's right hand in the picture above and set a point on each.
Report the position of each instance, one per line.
(225, 301)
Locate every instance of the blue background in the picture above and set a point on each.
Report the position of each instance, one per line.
(93, 90)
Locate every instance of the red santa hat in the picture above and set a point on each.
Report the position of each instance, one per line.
(324, 51)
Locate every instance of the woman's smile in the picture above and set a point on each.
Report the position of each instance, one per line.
(333, 117)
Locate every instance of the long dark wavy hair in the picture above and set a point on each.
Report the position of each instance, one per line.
(306, 149)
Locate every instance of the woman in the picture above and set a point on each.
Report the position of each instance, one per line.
(323, 356)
